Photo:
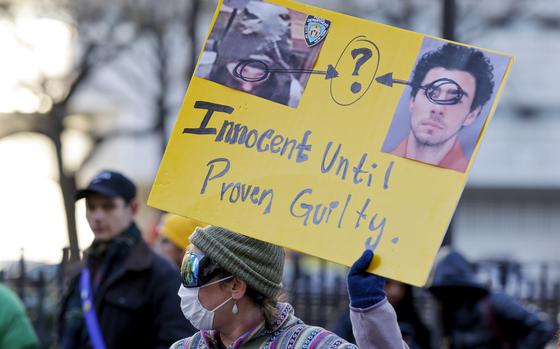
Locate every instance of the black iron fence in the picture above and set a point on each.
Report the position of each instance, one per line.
(536, 284)
(39, 287)
(319, 294)
(316, 289)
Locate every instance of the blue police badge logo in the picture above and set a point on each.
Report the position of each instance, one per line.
(315, 30)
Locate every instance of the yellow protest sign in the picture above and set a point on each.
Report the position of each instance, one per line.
(328, 134)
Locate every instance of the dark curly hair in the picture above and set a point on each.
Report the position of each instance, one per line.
(456, 57)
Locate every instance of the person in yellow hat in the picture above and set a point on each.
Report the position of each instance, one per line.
(173, 236)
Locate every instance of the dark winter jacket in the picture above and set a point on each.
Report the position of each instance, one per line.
(473, 317)
(137, 304)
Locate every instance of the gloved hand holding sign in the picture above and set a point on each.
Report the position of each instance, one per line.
(374, 322)
(364, 289)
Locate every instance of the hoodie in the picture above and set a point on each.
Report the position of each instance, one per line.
(475, 317)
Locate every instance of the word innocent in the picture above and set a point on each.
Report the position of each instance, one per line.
(236, 133)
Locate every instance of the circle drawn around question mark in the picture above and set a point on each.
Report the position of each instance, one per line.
(356, 72)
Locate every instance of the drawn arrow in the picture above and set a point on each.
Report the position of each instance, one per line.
(330, 73)
(388, 80)
(432, 90)
(239, 71)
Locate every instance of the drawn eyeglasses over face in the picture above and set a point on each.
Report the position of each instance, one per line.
(259, 69)
(444, 92)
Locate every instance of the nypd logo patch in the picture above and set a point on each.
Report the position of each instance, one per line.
(315, 30)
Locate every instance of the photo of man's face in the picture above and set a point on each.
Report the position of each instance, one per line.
(435, 123)
(444, 104)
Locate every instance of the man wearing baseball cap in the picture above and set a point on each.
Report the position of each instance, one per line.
(124, 294)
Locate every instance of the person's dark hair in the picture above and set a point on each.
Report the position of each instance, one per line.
(456, 57)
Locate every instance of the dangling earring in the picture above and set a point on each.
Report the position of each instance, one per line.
(234, 309)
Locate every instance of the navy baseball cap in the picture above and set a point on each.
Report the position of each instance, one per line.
(111, 184)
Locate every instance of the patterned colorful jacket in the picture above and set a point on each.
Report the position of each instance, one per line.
(288, 332)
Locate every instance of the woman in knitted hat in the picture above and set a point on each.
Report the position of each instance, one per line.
(230, 289)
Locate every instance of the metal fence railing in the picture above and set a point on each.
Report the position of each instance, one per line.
(319, 294)
(39, 287)
(316, 289)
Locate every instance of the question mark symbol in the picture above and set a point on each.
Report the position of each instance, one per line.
(365, 54)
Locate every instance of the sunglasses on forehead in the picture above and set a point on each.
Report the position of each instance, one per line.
(198, 269)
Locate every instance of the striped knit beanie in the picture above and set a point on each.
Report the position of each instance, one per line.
(260, 264)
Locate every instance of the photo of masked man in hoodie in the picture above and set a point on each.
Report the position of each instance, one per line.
(251, 38)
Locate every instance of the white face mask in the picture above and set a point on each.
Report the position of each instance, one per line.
(200, 317)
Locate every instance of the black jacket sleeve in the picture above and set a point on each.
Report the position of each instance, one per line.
(530, 329)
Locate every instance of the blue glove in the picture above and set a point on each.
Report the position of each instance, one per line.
(364, 289)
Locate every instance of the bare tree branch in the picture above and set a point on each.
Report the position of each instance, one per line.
(99, 141)
(102, 46)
